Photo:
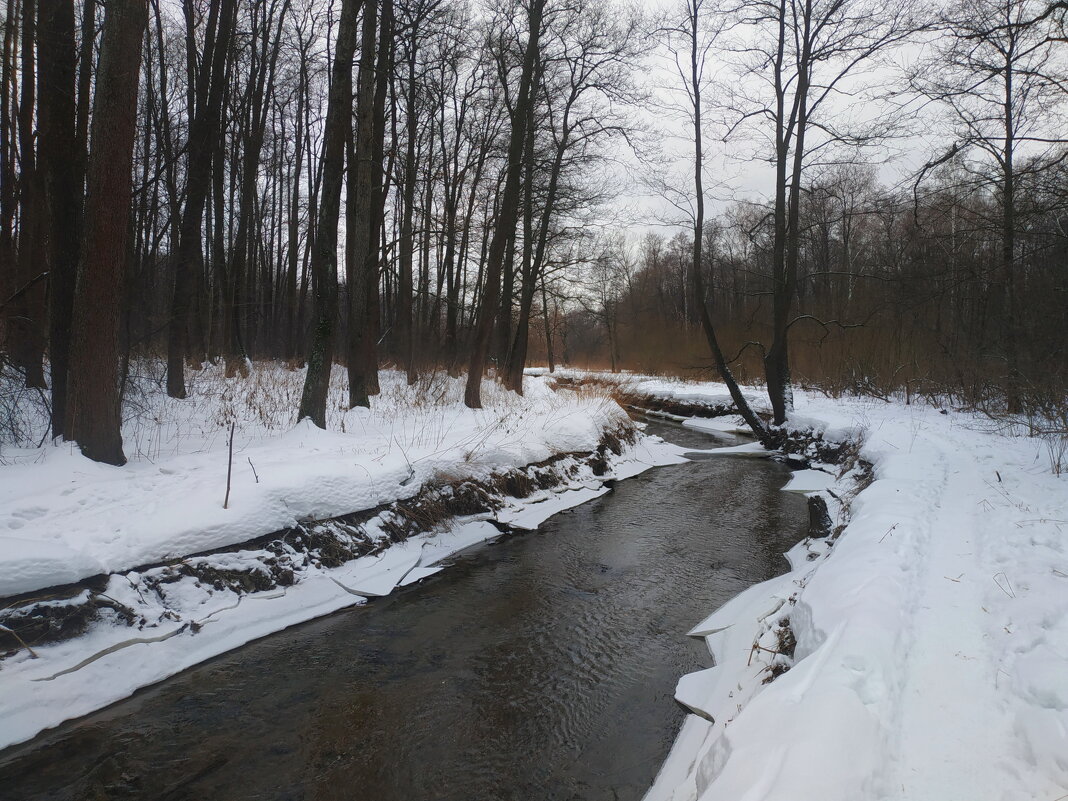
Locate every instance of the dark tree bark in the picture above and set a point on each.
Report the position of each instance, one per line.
(8, 198)
(93, 415)
(792, 120)
(513, 358)
(56, 120)
(324, 260)
(260, 91)
(85, 84)
(293, 337)
(361, 201)
(403, 320)
(368, 151)
(27, 321)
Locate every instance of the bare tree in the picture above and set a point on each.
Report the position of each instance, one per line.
(995, 74)
(504, 231)
(93, 417)
(324, 260)
(206, 96)
(799, 59)
(691, 48)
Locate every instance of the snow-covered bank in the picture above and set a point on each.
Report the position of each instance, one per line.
(147, 624)
(922, 654)
(64, 518)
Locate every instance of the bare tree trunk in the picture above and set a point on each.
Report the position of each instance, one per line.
(506, 219)
(776, 360)
(27, 322)
(93, 415)
(56, 121)
(403, 323)
(380, 177)
(324, 260)
(1008, 248)
(548, 329)
(513, 359)
(260, 89)
(8, 199)
(293, 336)
(370, 132)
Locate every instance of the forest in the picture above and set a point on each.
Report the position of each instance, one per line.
(528, 399)
(446, 185)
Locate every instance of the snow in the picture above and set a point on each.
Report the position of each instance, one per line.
(64, 517)
(728, 424)
(529, 517)
(931, 658)
(379, 577)
(751, 449)
(809, 481)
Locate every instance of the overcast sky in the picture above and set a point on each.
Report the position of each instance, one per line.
(737, 170)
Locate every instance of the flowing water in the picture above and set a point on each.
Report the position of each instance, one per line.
(538, 667)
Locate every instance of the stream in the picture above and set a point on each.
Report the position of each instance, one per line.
(539, 667)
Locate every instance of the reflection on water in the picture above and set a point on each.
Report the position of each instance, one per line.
(541, 667)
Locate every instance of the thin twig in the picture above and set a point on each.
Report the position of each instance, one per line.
(1009, 592)
(229, 466)
(13, 633)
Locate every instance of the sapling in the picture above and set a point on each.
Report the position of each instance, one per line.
(229, 465)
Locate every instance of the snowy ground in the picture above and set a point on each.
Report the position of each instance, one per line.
(65, 518)
(929, 640)
(931, 657)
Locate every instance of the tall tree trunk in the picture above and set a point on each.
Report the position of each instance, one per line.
(261, 88)
(293, 336)
(513, 359)
(56, 121)
(367, 349)
(93, 415)
(27, 323)
(403, 324)
(8, 198)
(85, 89)
(363, 278)
(787, 219)
(1008, 247)
(324, 259)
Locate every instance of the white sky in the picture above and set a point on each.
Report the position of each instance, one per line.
(732, 172)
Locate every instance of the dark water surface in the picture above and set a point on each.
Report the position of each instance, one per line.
(539, 667)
